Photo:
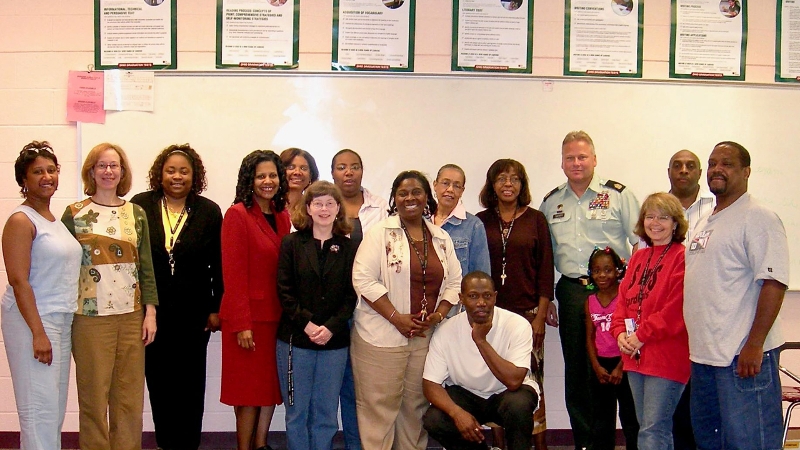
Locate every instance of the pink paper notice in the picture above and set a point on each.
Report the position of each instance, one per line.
(85, 97)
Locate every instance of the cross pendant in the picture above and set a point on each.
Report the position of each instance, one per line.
(503, 279)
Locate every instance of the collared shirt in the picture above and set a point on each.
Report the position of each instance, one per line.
(469, 239)
(602, 216)
(703, 206)
(373, 210)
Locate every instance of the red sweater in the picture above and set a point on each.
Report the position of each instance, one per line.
(665, 352)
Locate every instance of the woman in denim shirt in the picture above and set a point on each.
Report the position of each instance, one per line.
(466, 230)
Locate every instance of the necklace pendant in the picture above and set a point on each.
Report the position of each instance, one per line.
(503, 278)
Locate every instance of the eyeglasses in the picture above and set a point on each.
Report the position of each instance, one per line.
(503, 179)
(449, 184)
(329, 205)
(343, 167)
(101, 166)
(661, 218)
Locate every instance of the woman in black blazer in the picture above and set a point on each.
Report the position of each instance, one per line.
(317, 296)
(185, 243)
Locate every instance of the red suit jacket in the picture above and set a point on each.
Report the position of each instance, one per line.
(250, 251)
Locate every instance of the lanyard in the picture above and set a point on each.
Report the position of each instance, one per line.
(172, 231)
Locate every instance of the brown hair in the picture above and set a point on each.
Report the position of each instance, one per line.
(488, 197)
(125, 181)
(666, 204)
(302, 221)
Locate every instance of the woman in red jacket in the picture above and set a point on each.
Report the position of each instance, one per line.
(251, 238)
(648, 322)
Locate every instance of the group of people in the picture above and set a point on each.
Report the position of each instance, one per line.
(413, 315)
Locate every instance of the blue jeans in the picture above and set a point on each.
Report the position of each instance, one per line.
(655, 399)
(311, 423)
(730, 412)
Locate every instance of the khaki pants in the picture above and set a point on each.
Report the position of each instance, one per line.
(389, 399)
(109, 370)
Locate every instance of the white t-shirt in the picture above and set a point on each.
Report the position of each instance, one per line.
(453, 357)
(727, 259)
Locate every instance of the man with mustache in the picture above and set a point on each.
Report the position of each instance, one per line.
(737, 271)
(478, 370)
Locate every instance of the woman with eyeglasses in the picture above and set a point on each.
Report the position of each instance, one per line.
(466, 230)
(42, 262)
(648, 322)
(116, 315)
(521, 253)
(316, 292)
(408, 276)
(301, 170)
(185, 237)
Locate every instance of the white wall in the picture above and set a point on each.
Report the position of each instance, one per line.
(43, 39)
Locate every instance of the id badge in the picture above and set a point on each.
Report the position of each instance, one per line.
(630, 326)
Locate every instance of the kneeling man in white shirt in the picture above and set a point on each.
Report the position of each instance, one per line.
(478, 371)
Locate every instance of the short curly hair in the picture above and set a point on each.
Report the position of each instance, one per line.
(426, 185)
(247, 176)
(27, 156)
(155, 176)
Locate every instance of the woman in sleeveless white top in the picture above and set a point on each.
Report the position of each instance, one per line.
(42, 263)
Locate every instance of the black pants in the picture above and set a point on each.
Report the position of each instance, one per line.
(605, 399)
(175, 370)
(512, 410)
(577, 371)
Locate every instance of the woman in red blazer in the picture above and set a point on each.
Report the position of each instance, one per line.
(251, 238)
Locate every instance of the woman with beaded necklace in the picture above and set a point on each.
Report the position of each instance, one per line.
(408, 276)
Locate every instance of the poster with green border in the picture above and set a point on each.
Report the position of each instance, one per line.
(356, 23)
(135, 34)
(608, 40)
(258, 34)
(708, 39)
(492, 36)
(787, 50)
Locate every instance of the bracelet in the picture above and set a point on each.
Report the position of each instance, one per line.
(392, 315)
(441, 317)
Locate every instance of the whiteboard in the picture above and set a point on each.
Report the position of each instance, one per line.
(422, 122)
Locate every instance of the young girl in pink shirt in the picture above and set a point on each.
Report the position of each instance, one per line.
(610, 384)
